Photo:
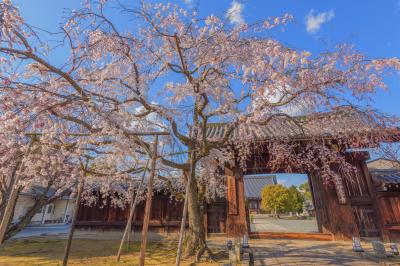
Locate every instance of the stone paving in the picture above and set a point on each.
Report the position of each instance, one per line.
(42, 230)
(263, 223)
(305, 252)
(277, 252)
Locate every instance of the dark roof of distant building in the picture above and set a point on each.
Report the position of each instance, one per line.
(37, 191)
(387, 178)
(253, 184)
(341, 121)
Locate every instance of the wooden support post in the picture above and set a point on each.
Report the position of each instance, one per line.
(184, 214)
(74, 218)
(205, 219)
(147, 209)
(11, 201)
(128, 225)
(131, 230)
(236, 218)
(134, 201)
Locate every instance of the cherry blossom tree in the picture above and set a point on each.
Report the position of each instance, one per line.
(47, 167)
(179, 72)
(209, 72)
(29, 160)
(50, 123)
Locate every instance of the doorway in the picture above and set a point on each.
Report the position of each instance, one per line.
(216, 218)
(280, 203)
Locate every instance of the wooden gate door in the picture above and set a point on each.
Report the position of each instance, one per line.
(361, 199)
(216, 219)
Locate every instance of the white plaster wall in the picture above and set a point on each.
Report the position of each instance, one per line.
(61, 207)
(21, 207)
(70, 209)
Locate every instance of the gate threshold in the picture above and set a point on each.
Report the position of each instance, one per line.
(287, 235)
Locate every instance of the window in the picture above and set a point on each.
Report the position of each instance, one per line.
(50, 208)
(40, 210)
(253, 205)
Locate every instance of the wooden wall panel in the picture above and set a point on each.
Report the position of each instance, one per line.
(165, 211)
(390, 207)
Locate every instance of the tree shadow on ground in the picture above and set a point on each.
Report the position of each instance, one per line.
(49, 251)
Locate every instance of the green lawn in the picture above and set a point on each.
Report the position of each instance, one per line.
(48, 251)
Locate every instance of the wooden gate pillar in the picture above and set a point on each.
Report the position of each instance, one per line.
(236, 215)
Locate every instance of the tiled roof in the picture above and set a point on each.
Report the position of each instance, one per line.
(341, 121)
(386, 176)
(253, 184)
(386, 179)
(37, 191)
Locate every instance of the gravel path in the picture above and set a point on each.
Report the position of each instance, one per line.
(57, 229)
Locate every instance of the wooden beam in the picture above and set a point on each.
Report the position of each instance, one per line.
(11, 201)
(134, 202)
(13, 197)
(284, 235)
(149, 199)
(74, 218)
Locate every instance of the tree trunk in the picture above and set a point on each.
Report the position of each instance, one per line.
(184, 212)
(195, 242)
(276, 213)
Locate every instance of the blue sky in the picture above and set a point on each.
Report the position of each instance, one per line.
(291, 179)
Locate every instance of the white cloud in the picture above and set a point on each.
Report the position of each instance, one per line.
(298, 106)
(314, 22)
(282, 181)
(188, 2)
(234, 13)
(152, 122)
